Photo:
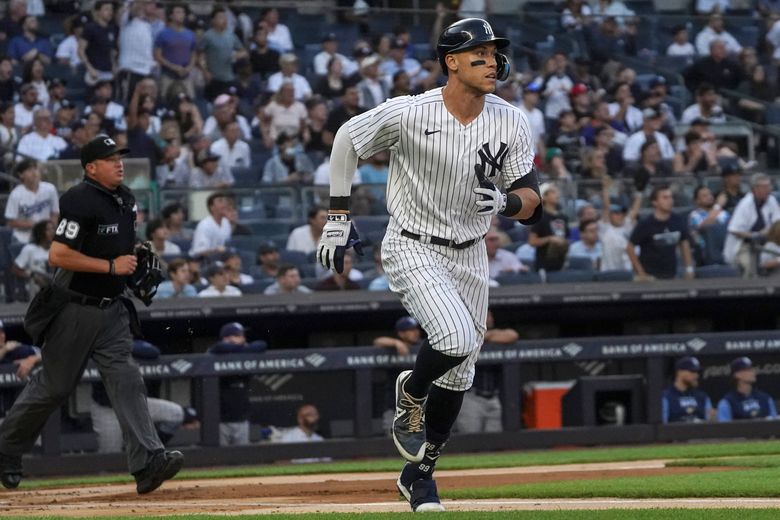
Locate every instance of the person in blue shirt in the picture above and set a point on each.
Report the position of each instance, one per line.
(683, 402)
(30, 45)
(745, 401)
(177, 286)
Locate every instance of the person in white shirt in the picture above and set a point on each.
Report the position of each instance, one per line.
(612, 9)
(397, 61)
(500, 261)
(41, 144)
(305, 238)
(288, 281)
(330, 48)
(653, 120)
(308, 418)
(289, 74)
(68, 49)
(773, 37)
(615, 229)
(278, 34)
(534, 115)
(136, 49)
(680, 45)
(750, 223)
(30, 202)
(373, 91)
(32, 264)
(708, 6)
(706, 107)
(24, 109)
(589, 244)
(218, 283)
(225, 110)
(214, 231)
(157, 234)
(623, 109)
(232, 151)
(715, 30)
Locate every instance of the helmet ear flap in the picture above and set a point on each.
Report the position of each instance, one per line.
(502, 67)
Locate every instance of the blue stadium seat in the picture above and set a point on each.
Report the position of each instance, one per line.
(297, 258)
(183, 243)
(569, 276)
(246, 177)
(256, 287)
(246, 242)
(716, 271)
(518, 234)
(580, 263)
(613, 276)
(368, 224)
(519, 278)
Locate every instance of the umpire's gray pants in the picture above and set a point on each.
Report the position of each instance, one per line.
(76, 334)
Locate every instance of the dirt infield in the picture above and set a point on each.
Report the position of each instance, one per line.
(350, 492)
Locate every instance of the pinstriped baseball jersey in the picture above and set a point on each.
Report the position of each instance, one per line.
(431, 177)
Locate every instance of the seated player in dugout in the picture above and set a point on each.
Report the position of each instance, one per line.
(683, 401)
(745, 401)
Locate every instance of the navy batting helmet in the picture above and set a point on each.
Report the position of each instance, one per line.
(469, 33)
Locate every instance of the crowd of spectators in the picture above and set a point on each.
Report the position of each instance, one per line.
(221, 97)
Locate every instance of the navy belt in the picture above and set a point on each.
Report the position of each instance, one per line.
(83, 299)
(440, 241)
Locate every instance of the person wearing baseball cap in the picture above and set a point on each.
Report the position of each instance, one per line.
(745, 401)
(683, 401)
(408, 334)
(234, 406)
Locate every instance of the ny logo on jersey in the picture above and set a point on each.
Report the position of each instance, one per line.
(496, 162)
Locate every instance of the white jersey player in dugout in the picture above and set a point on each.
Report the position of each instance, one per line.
(458, 156)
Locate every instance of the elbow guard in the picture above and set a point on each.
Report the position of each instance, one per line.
(530, 181)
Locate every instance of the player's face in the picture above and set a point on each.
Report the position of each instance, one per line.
(410, 336)
(481, 77)
(690, 379)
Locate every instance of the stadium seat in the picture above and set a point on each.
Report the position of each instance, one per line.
(518, 234)
(716, 271)
(613, 276)
(580, 263)
(519, 278)
(183, 243)
(297, 258)
(245, 242)
(569, 276)
(245, 177)
(256, 287)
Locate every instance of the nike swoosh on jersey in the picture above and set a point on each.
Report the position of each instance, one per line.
(429, 132)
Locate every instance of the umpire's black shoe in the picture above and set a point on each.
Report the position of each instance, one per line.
(10, 470)
(163, 466)
(421, 494)
(409, 422)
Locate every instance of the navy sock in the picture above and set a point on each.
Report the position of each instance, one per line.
(441, 410)
(429, 366)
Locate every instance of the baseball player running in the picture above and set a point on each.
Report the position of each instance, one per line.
(459, 155)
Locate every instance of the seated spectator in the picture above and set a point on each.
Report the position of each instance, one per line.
(218, 283)
(290, 165)
(25, 108)
(580, 99)
(283, 115)
(288, 64)
(400, 85)
(623, 110)
(30, 44)
(609, 39)
(173, 218)
(305, 238)
(716, 30)
(696, 159)
(30, 202)
(174, 170)
(64, 110)
(750, 223)
(178, 283)
(233, 269)
(650, 131)
(264, 59)
(745, 401)
(32, 264)
(288, 281)
(650, 165)
(331, 85)
(549, 236)
(610, 144)
(314, 126)
(408, 334)
(708, 224)
(9, 135)
(225, 111)
(213, 231)
(481, 411)
(167, 416)
(68, 49)
(717, 69)
(680, 45)
(683, 402)
(500, 261)
(372, 91)
(267, 260)
(601, 118)
(340, 281)
(209, 172)
(770, 253)
(706, 107)
(157, 234)
(234, 404)
(41, 144)
(756, 85)
(308, 418)
(567, 139)
(330, 51)
(731, 177)
(589, 244)
(187, 116)
(25, 357)
(398, 61)
(658, 236)
(349, 107)
(232, 151)
(34, 74)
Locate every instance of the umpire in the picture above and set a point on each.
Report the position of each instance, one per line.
(83, 314)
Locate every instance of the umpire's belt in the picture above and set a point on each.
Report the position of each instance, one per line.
(83, 299)
(439, 241)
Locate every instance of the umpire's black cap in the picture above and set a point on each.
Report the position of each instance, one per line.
(100, 147)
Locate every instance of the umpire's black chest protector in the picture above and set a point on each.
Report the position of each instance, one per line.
(99, 223)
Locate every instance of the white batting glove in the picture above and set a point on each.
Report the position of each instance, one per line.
(338, 235)
(493, 199)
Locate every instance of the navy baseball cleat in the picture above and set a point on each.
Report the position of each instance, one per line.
(421, 494)
(163, 466)
(409, 422)
(10, 470)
